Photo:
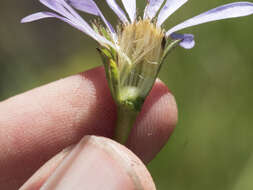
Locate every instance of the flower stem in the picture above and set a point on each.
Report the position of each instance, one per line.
(125, 121)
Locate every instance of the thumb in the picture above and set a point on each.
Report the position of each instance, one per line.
(95, 163)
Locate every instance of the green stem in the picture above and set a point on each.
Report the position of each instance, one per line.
(125, 121)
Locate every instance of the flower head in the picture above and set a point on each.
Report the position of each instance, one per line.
(66, 13)
(134, 52)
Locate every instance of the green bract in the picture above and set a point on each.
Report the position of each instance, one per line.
(132, 69)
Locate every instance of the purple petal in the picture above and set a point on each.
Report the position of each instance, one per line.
(152, 7)
(117, 10)
(232, 10)
(130, 7)
(187, 40)
(57, 7)
(75, 23)
(89, 6)
(169, 8)
(63, 8)
(42, 15)
(36, 16)
(73, 18)
(70, 9)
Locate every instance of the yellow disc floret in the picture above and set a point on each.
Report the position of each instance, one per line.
(142, 42)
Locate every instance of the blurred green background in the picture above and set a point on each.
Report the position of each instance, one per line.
(212, 144)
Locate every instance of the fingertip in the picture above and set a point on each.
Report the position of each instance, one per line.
(98, 163)
(155, 123)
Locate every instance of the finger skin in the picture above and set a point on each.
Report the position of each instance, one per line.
(95, 163)
(155, 123)
(38, 124)
(41, 175)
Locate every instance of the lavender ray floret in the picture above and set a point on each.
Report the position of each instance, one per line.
(117, 10)
(42, 15)
(152, 8)
(37, 16)
(80, 21)
(89, 6)
(61, 7)
(130, 7)
(71, 10)
(71, 18)
(169, 8)
(187, 40)
(232, 10)
(57, 7)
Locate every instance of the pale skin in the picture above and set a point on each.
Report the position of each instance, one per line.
(37, 125)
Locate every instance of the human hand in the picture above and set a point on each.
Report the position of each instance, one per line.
(39, 124)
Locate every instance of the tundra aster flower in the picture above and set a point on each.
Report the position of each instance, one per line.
(134, 52)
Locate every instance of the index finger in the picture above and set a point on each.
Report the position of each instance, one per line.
(36, 125)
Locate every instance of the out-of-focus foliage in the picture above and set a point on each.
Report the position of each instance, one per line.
(212, 145)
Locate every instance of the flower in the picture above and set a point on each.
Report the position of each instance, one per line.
(133, 53)
(67, 14)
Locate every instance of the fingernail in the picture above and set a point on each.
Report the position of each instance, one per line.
(96, 163)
